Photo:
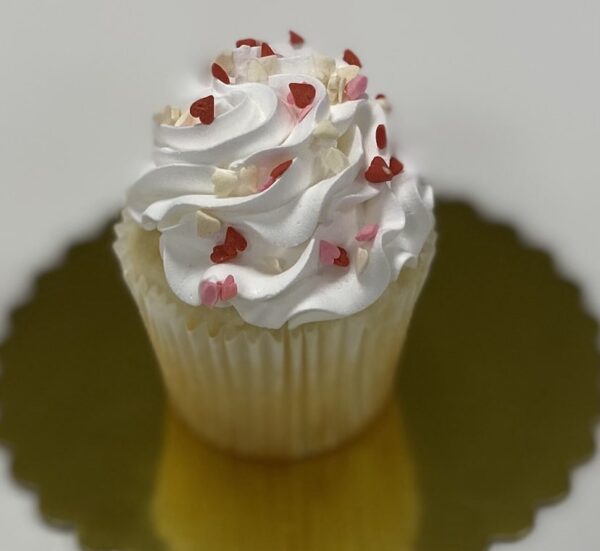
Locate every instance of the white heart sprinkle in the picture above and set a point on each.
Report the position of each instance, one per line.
(335, 160)
(248, 180)
(348, 71)
(256, 72)
(168, 115)
(333, 86)
(224, 182)
(362, 257)
(186, 120)
(323, 67)
(225, 60)
(206, 224)
(270, 64)
(326, 130)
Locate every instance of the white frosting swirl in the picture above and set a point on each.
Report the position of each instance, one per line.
(323, 195)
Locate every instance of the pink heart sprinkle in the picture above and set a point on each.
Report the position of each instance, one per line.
(228, 288)
(266, 185)
(367, 233)
(209, 293)
(356, 87)
(328, 252)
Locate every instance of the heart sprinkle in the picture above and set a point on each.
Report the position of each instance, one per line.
(351, 58)
(169, 115)
(206, 224)
(246, 42)
(331, 254)
(381, 136)
(228, 288)
(356, 87)
(362, 257)
(256, 72)
(328, 252)
(234, 242)
(204, 109)
(296, 39)
(367, 233)
(378, 171)
(219, 73)
(186, 119)
(396, 166)
(303, 93)
(224, 182)
(343, 259)
(266, 50)
(326, 130)
(221, 254)
(278, 171)
(209, 293)
(225, 60)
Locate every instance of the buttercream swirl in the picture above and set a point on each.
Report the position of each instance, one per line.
(211, 177)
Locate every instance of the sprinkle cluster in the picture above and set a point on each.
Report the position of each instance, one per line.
(344, 83)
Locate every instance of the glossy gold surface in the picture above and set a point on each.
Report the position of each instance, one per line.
(496, 401)
(362, 496)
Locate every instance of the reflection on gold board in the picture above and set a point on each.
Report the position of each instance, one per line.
(496, 403)
(362, 496)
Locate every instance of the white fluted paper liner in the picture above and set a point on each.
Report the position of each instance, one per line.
(264, 392)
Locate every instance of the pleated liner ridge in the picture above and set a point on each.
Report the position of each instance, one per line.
(284, 393)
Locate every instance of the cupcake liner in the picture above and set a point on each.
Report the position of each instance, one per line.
(285, 393)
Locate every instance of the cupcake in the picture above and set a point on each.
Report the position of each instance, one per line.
(276, 251)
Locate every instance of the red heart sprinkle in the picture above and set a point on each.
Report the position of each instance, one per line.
(246, 42)
(280, 169)
(351, 58)
(296, 39)
(221, 254)
(235, 240)
(303, 93)
(378, 171)
(380, 96)
(343, 259)
(204, 109)
(381, 136)
(396, 166)
(266, 50)
(219, 73)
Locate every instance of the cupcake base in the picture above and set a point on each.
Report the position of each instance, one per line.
(270, 393)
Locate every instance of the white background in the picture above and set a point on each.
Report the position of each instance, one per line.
(497, 101)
